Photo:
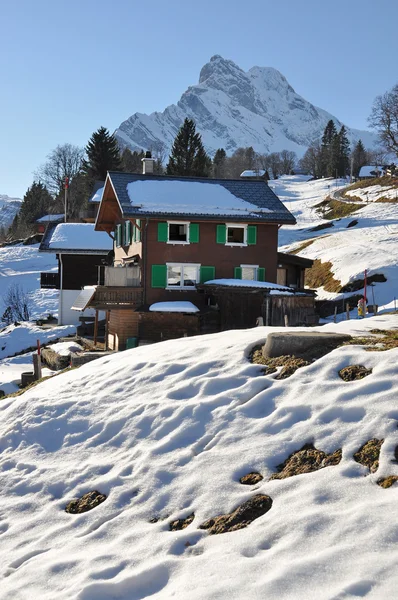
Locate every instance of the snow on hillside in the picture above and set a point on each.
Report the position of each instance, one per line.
(8, 209)
(371, 244)
(167, 430)
(233, 108)
(373, 192)
(21, 265)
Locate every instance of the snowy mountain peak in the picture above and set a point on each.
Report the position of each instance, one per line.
(8, 209)
(233, 108)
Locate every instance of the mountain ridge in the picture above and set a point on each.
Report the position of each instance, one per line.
(8, 209)
(234, 108)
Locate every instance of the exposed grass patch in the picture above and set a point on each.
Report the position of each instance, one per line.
(241, 517)
(320, 275)
(387, 200)
(387, 482)
(386, 340)
(336, 209)
(250, 479)
(391, 182)
(289, 364)
(85, 503)
(303, 246)
(354, 372)
(306, 460)
(180, 524)
(368, 454)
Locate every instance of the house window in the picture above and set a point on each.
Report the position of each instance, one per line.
(178, 233)
(236, 235)
(183, 276)
(250, 272)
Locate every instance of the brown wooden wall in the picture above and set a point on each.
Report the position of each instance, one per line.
(80, 270)
(156, 326)
(208, 253)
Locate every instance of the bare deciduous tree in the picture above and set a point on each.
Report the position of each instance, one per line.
(384, 118)
(312, 159)
(288, 160)
(64, 161)
(17, 303)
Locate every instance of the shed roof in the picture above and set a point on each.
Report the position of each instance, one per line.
(235, 199)
(75, 238)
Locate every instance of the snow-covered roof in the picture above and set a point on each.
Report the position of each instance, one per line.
(96, 197)
(370, 171)
(75, 238)
(177, 306)
(249, 283)
(235, 199)
(48, 218)
(253, 173)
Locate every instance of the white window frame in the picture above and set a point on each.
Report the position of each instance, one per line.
(256, 267)
(182, 287)
(169, 241)
(236, 225)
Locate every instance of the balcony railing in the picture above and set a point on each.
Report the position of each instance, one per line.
(107, 297)
(49, 281)
(129, 276)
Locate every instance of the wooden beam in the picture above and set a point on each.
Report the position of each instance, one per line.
(96, 327)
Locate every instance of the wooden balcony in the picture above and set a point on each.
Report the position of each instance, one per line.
(109, 297)
(49, 281)
(124, 276)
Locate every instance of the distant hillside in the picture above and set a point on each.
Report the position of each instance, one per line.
(233, 108)
(8, 209)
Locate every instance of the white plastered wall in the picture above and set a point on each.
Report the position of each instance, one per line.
(67, 316)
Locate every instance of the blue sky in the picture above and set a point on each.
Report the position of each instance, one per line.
(68, 67)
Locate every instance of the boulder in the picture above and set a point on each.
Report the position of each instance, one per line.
(303, 344)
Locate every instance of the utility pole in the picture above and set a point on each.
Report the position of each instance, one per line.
(66, 186)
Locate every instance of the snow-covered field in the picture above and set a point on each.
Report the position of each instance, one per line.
(167, 430)
(372, 244)
(21, 265)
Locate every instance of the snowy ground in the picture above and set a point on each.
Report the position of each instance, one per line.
(372, 244)
(167, 430)
(22, 265)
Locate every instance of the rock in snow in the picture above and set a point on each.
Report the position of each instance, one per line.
(234, 108)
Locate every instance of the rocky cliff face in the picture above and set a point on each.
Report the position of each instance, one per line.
(233, 108)
(8, 209)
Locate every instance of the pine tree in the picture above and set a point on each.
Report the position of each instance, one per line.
(343, 165)
(359, 158)
(36, 203)
(219, 164)
(328, 140)
(103, 155)
(131, 162)
(188, 157)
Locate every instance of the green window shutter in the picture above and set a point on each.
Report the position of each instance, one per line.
(207, 274)
(221, 237)
(251, 234)
(127, 233)
(162, 232)
(138, 231)
(118, 235)
(238, 273)
(261, 274)
(194, 233)
(159, 276)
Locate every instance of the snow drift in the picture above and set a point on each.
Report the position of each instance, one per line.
(166, 431)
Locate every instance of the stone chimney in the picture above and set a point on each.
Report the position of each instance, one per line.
(147, 164)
